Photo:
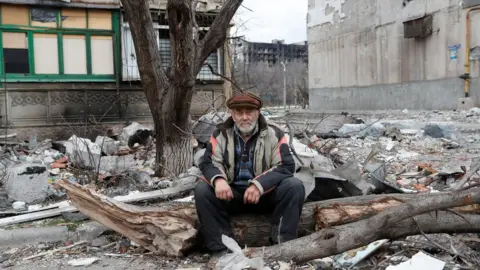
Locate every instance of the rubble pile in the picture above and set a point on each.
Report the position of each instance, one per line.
(117, 164)
(404, 156)
(371, 154)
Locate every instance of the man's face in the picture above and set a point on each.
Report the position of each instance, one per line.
(245, 119)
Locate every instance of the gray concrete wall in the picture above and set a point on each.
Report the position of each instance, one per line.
(358, 55)
(56, 110)
(427, 95)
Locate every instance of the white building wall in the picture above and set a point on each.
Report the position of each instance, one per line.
(360, 43)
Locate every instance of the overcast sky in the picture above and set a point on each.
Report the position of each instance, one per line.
(273, 19)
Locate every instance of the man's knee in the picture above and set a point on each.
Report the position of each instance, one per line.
(294, 186)
(203, 191)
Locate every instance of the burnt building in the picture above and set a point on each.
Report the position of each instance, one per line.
(272, 53)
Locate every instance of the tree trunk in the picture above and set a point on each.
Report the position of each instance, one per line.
(169, 92)
(173, 134)
(171, 230)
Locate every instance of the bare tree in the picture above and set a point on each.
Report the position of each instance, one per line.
(298, 72)
(169, 91)
(267, 81)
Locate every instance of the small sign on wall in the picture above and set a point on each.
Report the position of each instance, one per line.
(453, 50)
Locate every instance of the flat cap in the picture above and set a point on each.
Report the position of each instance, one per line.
(245, 100)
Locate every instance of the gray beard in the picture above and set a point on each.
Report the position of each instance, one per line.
(247, 131)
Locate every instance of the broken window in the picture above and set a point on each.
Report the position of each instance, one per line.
(44, 16)
(15, 53)
(419, 27)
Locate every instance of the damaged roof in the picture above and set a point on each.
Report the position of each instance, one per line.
(203, 5)
(103, 4)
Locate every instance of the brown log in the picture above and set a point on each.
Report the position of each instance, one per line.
(171, 230)
(391, 223)
(253, 231)
(162, 231)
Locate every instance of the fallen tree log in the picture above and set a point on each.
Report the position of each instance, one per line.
(391, 223)
(253, 230)
(171, 230)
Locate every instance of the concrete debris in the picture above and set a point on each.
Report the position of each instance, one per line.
(130, 130)
(27, 236)
(90, 231)
(109, 146)
(439, 131)
(363, 130)
(83, 152)
(419, 261)
(74, 217)
(27, 183)
(99, 241)
(475, 111)
(118, 164)
(83, 262)
(430, 153)
(140, 178)
(394, 133)
(19, 206)
(162, 184)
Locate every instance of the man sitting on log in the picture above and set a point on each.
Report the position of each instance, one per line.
(247, 168)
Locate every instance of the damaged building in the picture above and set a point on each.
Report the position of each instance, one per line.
(393, 54)
(271, 53)
(73, 63)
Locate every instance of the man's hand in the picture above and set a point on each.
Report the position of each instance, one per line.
(252, 195)
(223, 191)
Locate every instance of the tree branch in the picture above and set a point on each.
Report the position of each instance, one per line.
(217, 34)
(223, 77)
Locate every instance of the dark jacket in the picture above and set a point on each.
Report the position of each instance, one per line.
(273, 161)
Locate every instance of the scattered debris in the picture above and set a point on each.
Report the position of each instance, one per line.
(439, 131)
(368, 155)
(237, 260)
(19, 206)
(27, 182)
(352, 257)
(55, 250)
(83, 262)
(419, 261)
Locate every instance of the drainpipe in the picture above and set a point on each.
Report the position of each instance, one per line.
(466, 76)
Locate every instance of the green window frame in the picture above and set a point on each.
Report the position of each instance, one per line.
(60, 33)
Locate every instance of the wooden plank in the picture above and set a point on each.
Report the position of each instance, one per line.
(14, 40)
(15, 14)
(67, 207)
(100, 19)
(16, 213)
(155, 194)
(74, 18)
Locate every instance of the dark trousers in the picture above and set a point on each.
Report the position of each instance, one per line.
(285, 204)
